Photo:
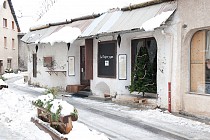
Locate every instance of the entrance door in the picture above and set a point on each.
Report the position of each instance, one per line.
(34, 65)
(83, 81)
(1, 66)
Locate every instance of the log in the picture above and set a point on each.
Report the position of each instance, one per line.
(63, 125)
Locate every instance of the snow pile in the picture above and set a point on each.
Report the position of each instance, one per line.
(67, 108)
(156, 21)
(82, 132)
(15, 113)
(2, 82)
(42, 100)
(48, 102)
(10, 75)
(25, 85)
(67, 34)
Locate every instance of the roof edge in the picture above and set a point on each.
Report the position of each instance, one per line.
(13, 14)
(65, 22)
(145, 4)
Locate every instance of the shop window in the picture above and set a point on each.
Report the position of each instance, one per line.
(200, 62)
(143, 65)
(107, 59)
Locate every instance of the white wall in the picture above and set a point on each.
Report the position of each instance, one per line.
(113, 86)
(192, 20)
(59, 53)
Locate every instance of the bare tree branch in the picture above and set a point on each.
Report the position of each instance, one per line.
(45, 7)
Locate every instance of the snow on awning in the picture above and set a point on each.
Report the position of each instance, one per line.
(37, 36)
(156, 21)
(147, 18)
(66, 34)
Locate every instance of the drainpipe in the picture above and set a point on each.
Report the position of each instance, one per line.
(169, 97)
(170, 68)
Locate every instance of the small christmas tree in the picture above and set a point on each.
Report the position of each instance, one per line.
(144, 74)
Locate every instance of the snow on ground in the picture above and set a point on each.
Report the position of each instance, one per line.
(154, 117)
(2, 82)
(16, 110)
(21, 105)
(23, 84)
(11, 75)
(15, 113)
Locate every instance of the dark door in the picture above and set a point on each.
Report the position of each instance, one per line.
(34, 65)
(83, 81)
(1, 66)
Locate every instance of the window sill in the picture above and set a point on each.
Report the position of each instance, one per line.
(196, 93)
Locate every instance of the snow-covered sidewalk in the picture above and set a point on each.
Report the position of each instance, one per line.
(157, 118)
(16, 110)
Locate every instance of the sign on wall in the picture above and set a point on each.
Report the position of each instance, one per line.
(122, 67)
(71, 65)
(107, 59)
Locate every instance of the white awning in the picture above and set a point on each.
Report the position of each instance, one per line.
(66, 34)
(156, 21)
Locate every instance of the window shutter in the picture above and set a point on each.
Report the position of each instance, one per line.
(47, 62)
(197, 60)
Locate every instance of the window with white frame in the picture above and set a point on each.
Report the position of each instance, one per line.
(4, 22)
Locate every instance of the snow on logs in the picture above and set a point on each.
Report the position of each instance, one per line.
(3, 84)
(58, 113)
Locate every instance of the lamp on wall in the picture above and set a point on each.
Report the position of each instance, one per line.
(68, 45)
(119, 40)
(36, 48)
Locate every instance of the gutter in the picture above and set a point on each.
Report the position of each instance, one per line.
(65, 22)
(145, 4)
(110, 33)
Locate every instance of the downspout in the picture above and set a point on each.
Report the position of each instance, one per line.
(170, 68)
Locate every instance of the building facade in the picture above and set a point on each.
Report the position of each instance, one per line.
(9, 37)
(104, 56)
